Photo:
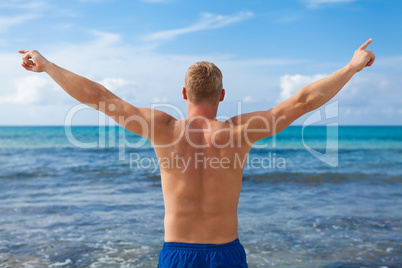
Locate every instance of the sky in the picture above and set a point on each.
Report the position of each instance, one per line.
(140, 50)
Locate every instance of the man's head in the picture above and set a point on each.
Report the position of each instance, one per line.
(203, 83)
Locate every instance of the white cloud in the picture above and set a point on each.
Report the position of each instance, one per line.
(123, 88)
(207, 21)
(249, 99)
(28, 90)
(290, 84)
(319, 3)
(113, 83)
(104, 38)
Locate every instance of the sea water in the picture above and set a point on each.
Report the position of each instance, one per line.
(66, 206)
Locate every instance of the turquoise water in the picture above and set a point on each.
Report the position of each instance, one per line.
(64, 206)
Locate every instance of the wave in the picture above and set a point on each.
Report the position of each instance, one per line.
(329, 177)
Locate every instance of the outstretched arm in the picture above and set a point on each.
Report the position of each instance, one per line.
(320, 92)
(263, 124)
(134, 119)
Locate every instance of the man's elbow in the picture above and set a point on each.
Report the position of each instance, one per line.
(303, 103)
(95, 95)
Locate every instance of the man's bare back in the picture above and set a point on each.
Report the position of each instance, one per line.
(201, 159)
(201, 192)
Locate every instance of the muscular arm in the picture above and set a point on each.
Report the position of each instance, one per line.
(134, 119)
(263, 124)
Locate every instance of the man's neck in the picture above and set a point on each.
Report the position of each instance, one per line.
(204, 110)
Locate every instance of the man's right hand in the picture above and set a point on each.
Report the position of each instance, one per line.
(33, 61)
(362, 57)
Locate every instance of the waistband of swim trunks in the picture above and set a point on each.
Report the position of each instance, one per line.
(171, 245)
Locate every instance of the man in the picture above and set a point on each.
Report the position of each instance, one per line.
(201, 188)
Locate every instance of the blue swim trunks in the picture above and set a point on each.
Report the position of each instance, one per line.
(191, 255)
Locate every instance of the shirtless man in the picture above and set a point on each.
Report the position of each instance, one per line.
(201, 197)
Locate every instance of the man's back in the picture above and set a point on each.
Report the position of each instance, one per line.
(201, 173)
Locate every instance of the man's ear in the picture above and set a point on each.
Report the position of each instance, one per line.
(222, 95)
(184, 93)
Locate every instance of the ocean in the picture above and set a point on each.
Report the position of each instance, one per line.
(331, 205)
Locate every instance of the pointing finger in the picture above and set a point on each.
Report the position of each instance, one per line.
(366, 44)
(23, 51)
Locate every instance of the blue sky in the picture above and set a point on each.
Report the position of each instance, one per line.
(140, 49)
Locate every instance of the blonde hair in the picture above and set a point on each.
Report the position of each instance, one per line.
(203, 83)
